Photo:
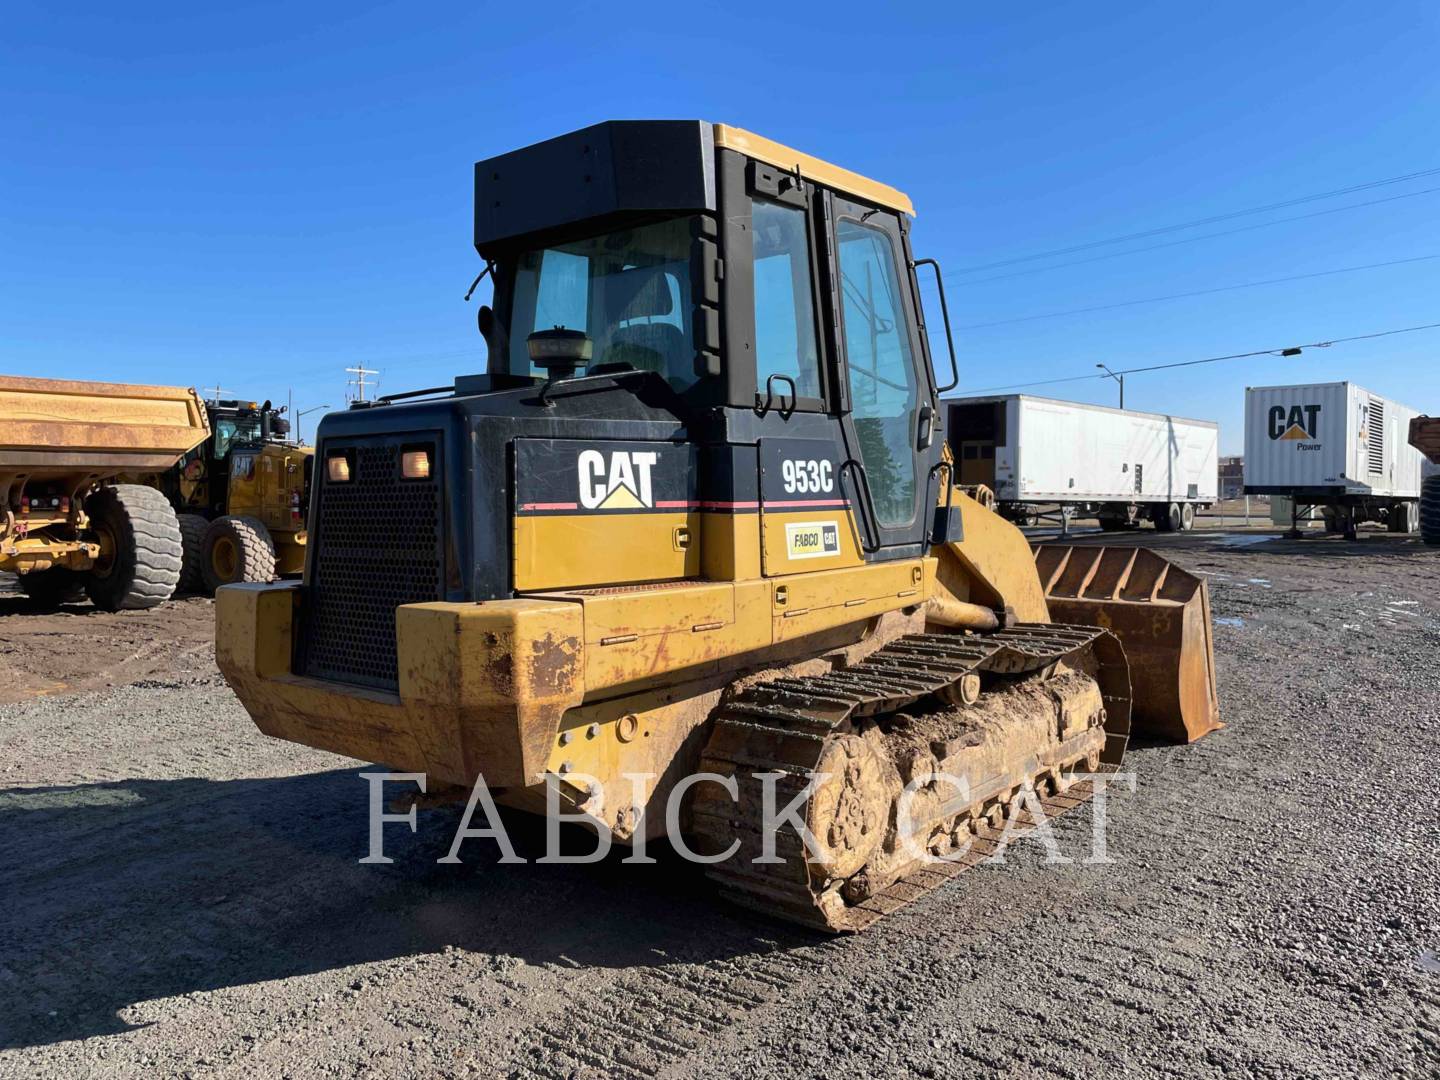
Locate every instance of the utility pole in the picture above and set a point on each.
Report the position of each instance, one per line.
(359, 380)
(1118, 378)
(215, 392)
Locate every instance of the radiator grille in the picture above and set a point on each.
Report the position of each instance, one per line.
(376, 544)
(1375, 442)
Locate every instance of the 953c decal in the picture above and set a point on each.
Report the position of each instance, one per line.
(812, 539)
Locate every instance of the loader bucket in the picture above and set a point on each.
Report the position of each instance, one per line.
(1161, 615)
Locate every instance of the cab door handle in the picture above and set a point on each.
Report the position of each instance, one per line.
(925, 427)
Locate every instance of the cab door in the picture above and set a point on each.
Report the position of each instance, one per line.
(788, 398)
(888, 392)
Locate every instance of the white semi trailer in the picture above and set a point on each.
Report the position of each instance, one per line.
(1335, 446)
(1122, 467)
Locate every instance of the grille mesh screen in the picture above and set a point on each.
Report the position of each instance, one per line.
(377, 545)
(1375, 444)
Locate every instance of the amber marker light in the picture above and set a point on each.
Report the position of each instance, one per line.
(415, 464)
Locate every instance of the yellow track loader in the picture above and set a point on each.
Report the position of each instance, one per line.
(698, 518)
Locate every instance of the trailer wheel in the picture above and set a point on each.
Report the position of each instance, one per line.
(192, 553)
(48, 589)
(237, 550)
(1430, 510)
(1187, 517)
(140, 551)
(1167, 517)
(1401, 518)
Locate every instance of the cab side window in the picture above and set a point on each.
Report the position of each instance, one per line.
(883, 392)
(224, 436)
(784, 301)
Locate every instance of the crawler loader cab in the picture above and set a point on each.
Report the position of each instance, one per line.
(696, 516)
(766, 298)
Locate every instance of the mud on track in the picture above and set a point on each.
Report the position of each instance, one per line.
(182, 897)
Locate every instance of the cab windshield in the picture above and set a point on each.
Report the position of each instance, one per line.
(628, 290)
(229, 432)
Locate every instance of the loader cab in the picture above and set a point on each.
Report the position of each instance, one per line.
(239, 431)
(773, 294)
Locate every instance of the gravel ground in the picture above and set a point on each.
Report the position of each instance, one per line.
(182, 896)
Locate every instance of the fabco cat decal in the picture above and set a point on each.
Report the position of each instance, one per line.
(812, 539)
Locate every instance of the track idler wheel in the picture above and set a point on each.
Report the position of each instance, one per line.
(849, 810)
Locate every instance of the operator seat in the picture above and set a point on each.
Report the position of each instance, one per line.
(640, 297)
(657, 347)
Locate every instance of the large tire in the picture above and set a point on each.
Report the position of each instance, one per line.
(192, 555)
(1187, 517)
(1401, 518)
(237, 550)
(140, 557)
(1167, 517)
(1430, 510)
(48, 589)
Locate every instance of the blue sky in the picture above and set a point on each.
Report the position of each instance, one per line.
(266, 193)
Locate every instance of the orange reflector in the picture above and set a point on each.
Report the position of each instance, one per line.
(337, 467)
(415, 464)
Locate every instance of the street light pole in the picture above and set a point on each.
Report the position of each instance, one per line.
(301, 416)
(1118, 378)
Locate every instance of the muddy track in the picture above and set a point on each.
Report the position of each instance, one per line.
(788, 726)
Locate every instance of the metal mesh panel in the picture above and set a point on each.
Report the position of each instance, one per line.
(377, 545)
(1376, 441)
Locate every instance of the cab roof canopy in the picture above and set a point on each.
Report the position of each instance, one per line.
(626, 167)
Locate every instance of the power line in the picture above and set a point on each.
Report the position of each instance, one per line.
(414, 358)
(1287, 350)
(1197, 292)
(1147, 233)
(1193, 239)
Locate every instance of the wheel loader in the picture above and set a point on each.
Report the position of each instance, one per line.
(241, 498)
(69, 526)
(697, 518)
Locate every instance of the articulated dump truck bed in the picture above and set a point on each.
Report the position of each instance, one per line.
(1425, 436)
(52, 428)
